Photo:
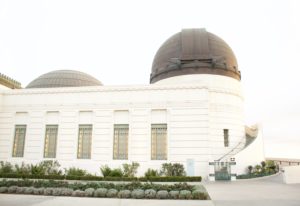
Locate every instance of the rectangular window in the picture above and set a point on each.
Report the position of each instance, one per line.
(121, 141)
(50, 141)
(159, 141)
(84, 141)
(226, 137)
(19, 141)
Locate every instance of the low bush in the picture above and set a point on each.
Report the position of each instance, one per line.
(174, 194)
(112, 193)
(78, 193)
(12, 189)
(138, 194)
(150, 193)
(200, 195)
(56, 191)
(89, 192)
(185, 194)
(3, 189)
(66, 192)
(38, 191)
(20, 190)
(100, 192)
(162, 194)
(124, 194)
(28, 190)
(48, 191)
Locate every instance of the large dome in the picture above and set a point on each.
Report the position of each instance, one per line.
(64, 78)
(194, 51)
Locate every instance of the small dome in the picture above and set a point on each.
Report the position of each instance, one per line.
(194, 51)
(64, 78)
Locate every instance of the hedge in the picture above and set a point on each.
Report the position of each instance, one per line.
(98, 178)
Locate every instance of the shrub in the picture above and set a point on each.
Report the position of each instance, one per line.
(185, 194)
(66, 192)
(162, 194)
(3, 189)
(116, 173)
(250, 168)
(174, 194)
(56, 191)
(105, 170)
(28, 190)
(73, 171)
(89, 192)
(138, 194)
(20, 190)
(78, 193)
(22, 169)
(48, 191)
(38, 191)
(5, 167)
(150, 193)
(169, 169)
(199, 195)
(112, 193)
(124, 194)
(151, 173)
(130, 170)
(12, 189)
(100, 192)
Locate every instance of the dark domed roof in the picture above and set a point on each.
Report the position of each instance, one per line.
(64, 78)
(194, 51)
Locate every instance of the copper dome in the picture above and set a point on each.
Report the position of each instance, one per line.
(64, 78)
(194, 51)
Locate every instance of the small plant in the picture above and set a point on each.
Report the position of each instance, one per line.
(124, 194)
(105, 170)
(151, 173)
(185, 194)
(89, 192)
(199, 195)
(150, 193)
(3, 189)
(138, 194)
(66, 192)
(116, 173)
(78, 193)
(169, 169)
(112, 193)
(174, 194)
(5, 167)
(73, 171)
(100, 192)
(162, 194)
(130, 170)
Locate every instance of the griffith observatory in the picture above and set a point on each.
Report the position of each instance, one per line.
(191, 113)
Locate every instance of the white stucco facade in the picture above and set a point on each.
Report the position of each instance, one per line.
(196, 110)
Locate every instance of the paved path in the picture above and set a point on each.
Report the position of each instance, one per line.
(270, 191)
(35, 200)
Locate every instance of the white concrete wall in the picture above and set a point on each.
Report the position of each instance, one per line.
(196, 114)
(291, 174)
(253, 154)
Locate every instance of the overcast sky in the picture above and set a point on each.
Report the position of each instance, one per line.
(115, 41)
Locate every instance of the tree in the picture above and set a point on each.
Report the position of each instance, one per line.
(250, 168)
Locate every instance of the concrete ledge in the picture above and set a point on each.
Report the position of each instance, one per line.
(27, 200)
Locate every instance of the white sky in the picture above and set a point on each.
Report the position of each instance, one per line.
(115, 41)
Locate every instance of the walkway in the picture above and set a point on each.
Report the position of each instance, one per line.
(270, 191)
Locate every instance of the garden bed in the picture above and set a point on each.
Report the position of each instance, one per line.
(135, 190)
